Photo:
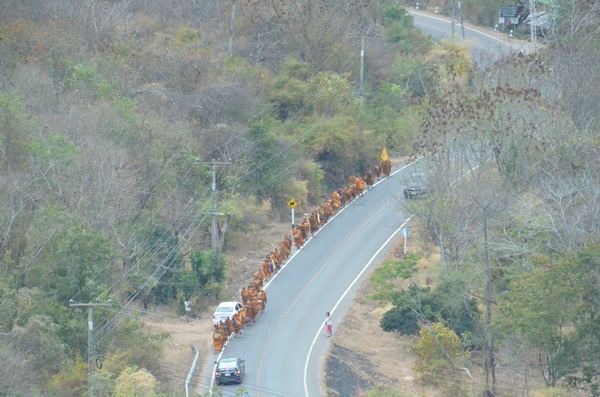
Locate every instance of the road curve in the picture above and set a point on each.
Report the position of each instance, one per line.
(285, 349)
(487, 46)
(276, 347)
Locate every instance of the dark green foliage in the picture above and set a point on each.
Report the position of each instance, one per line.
(16, 127)
(341, 147)
(386, 277)
(203, 267)
(401, 31)
(417, 305)
(412, 76)
(395, 13)
(289, 98)
(554, 293)
(292, 68)
(266, 173)
(70, 264)
(161, 260)
(197, 281)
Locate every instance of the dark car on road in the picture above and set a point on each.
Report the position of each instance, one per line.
(414, 191)
(230, 370)
(415, 186)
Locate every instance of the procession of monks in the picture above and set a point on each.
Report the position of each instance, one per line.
(254, 298)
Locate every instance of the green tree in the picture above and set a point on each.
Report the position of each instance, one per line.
(401, 31)
(134, 382)
(70, 263)
(439, 357)
(341, 147)
(41, 345)
(198, 281)
(265, 178)
(158, 265)
(289, 98)
(416, 306)
(386, 277)
(332, 94)
(16, 125)
(554, 304)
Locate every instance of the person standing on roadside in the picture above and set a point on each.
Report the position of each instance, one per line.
(328, 324)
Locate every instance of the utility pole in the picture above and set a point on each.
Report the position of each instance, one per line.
(460, 16)
(362, 64)
(452, 12)
(214, 232)
(90, 357)
(531, 22)
(231, 28)
(361, 84)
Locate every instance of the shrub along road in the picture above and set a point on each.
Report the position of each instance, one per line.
(487, 46)
(284, 350)
(276, 348)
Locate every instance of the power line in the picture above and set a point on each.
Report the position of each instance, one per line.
(112, 323)
(289, 145)
(255, 143)
(90, 342)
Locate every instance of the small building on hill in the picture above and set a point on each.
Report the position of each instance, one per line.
(511, 16)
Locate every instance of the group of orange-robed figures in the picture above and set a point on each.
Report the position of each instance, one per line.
(254, 298)
(339, 198)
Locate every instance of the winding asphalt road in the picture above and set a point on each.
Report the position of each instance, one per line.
(285, 349)
(487, 46)
(276, 348)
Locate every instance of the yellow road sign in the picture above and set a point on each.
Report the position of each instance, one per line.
(292, 203)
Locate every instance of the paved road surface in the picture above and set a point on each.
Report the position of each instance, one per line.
(276, 347)
(487, 46)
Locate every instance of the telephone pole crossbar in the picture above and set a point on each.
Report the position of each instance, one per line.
(90, 357)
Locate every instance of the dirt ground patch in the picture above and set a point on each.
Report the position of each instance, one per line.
(349, 364)
(244, 253)
(363, 356)
(243, 259)
(177, 353)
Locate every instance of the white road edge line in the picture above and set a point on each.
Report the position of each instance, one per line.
(320, 330)
(466, 27)
(212, 378)
(332, 218)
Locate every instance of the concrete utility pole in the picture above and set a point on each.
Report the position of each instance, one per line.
(452, 15)
(462, 22)
(361, 84)
(362, 64)
(214, 232)
(531, 22)
(231, 28)
(91, 343)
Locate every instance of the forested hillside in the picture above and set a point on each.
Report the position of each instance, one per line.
(110, 111)
(512, 207)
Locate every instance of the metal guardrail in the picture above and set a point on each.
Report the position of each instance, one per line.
(188, 379)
